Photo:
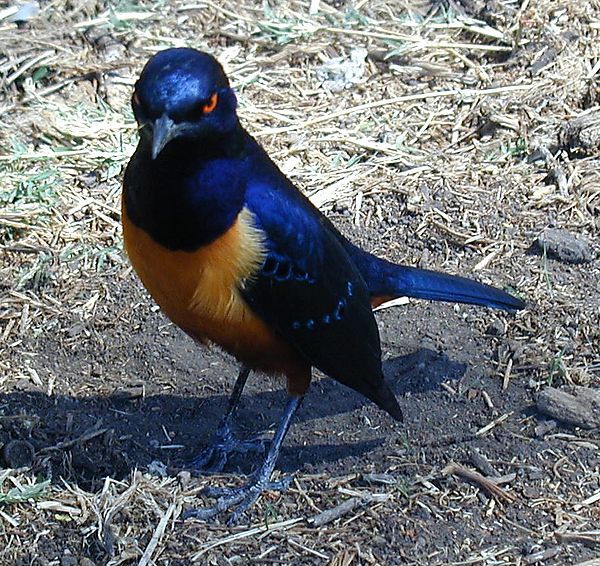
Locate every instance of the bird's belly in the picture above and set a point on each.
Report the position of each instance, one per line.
(199, 290)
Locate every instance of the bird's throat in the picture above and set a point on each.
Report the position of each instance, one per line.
(185, 200)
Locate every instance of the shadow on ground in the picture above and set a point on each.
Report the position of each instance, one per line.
(85, 439)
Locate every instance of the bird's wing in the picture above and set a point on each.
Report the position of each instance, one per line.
(311, 293)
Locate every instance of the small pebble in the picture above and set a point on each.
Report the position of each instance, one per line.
(496, 328)
(566, 247)
(18, 454)
(545, 427)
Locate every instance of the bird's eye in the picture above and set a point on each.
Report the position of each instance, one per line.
(209, 106)
(196, 112)
(137, 104)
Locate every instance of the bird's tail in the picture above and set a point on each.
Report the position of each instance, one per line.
(388, 280)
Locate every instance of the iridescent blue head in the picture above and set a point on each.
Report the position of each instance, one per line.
(183, 94)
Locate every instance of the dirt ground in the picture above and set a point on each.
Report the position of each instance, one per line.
(452, 147)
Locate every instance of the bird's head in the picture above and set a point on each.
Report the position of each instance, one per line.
(183, 94)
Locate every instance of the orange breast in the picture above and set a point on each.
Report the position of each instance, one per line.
(199, 291)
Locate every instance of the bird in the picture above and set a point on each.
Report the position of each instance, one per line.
(236, 255)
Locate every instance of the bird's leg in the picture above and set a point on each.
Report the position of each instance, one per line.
(243, 497)
(214, 458)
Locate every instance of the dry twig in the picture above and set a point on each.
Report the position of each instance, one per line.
(475, 478)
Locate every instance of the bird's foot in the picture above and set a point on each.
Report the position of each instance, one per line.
(212, 460)
(240, 498)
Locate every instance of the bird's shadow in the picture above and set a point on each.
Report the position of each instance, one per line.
(421, 371)
(88, 438)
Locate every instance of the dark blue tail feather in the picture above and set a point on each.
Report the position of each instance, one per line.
(425, 284)
(385, 279)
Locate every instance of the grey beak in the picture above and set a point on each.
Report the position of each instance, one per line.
(163, 131)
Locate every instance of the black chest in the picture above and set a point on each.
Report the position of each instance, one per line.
(181, 201)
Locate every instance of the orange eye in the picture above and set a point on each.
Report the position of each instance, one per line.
(209, 106)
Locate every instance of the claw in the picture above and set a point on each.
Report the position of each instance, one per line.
(209, 461)
(242, 498)
(213, 459)
(202, 514)
(218, 492)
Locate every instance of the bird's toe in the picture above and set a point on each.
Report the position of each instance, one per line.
(238, 499)
(212, 460)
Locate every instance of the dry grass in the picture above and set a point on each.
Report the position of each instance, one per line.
(442, 121)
